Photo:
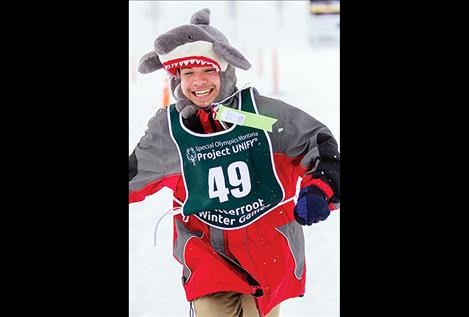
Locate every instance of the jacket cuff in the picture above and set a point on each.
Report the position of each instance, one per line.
(322, 185)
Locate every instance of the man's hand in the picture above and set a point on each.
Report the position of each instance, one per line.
(311, 206)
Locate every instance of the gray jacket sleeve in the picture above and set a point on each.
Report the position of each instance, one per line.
(298, 134)
(155, 155)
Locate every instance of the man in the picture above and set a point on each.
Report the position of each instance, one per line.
(234, 171)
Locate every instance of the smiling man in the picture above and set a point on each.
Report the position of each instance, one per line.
(238, 233)
(200, 84)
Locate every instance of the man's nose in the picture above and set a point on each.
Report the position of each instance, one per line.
(200, 79)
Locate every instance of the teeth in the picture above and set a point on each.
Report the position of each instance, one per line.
(214, 66)
(186, 62)
(201, 92)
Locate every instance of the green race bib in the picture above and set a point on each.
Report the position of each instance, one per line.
(229, 176)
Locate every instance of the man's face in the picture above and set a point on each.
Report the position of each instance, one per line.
(200, 84)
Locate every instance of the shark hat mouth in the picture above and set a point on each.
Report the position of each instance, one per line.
(193, 54)
(173, 65)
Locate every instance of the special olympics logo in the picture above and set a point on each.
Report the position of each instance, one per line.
(191, 155)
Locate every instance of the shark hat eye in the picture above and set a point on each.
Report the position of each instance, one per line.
(189, 37)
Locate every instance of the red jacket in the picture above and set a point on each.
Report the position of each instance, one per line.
(266, 258)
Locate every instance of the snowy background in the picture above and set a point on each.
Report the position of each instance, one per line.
(307, 53)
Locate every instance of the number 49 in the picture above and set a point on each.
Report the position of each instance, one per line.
(216, 181)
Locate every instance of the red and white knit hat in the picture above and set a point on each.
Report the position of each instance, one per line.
(193, 54)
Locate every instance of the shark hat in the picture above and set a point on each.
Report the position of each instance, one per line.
(192, 45)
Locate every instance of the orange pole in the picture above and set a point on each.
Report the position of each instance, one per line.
(165, 93)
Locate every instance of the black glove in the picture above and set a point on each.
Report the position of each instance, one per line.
(311, 206)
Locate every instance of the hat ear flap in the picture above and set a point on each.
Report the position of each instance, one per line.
(173, 83)
(149, 63)
(231, 55)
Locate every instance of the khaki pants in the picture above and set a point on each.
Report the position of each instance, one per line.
(229, 304)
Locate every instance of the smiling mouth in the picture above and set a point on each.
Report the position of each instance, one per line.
(202, 93)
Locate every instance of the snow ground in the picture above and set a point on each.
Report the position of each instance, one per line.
(308, 66)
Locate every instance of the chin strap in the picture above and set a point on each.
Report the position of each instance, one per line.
(237, 91)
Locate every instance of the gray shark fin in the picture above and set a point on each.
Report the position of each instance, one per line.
(149, 63)
(201, 17)
(231, 55)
